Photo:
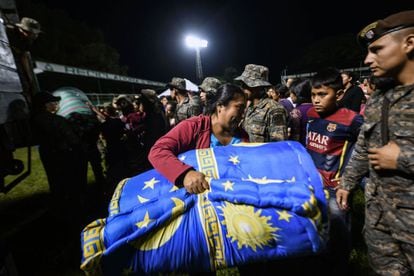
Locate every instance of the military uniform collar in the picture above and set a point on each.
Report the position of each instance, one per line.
(404, 87)
(186, 100)
(262, 103)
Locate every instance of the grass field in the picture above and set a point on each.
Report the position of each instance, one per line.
(41, 243)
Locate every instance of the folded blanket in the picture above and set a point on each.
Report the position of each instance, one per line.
(266, 202)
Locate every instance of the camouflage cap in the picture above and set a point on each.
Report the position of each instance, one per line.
(255, 76)
(177, 83)
(148, 92)
(392, 23)
(210, 85)
(29, 25)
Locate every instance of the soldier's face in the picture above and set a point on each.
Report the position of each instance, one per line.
(251, 92)
(386, 56)
(324, 99)
(248, 93)
(203, 96)
(173, 93)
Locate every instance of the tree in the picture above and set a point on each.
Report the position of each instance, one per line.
(229, 74)
(340, 51)
(70, 42)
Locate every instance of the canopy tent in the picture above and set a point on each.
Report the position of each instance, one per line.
(189, 85)
(165, 93)
(72, 100)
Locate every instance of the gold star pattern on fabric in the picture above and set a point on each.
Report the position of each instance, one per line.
(150, 183)
(306, 207)
(142, 199)
(326, 193)
(284, 215)
(234, 159)
(144, 222)
(228, 185)
(311, 188)
(174, 188)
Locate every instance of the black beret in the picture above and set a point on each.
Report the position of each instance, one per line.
(392, 23)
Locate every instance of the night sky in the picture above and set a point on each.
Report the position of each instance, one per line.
(149, 35)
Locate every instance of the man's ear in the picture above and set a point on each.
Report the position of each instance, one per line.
(409, 45)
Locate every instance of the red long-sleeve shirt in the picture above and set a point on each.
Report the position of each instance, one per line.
(193, 133)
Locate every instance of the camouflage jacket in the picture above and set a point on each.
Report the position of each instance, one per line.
(189, 108)
(266, 122)
(396, 187)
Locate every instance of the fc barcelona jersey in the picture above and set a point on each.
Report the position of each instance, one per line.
(330, 141)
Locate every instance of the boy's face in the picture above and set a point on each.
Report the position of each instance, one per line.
(324, 99)
(203, 96)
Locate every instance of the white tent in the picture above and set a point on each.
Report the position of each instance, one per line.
(190, 86)
(165, 93)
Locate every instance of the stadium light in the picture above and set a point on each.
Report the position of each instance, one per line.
(197, 43)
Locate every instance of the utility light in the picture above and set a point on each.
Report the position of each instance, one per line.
(195, 42)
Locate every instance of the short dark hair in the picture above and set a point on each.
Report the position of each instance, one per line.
(302, 89)
(350, 75)
(283, 90)
(225, 93)
(330, 77)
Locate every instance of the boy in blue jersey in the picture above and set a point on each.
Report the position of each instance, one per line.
(331, 135)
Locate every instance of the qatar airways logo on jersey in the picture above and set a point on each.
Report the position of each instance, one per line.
(317, 140)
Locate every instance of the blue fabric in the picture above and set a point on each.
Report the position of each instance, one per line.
(266, 202)
(214, 142)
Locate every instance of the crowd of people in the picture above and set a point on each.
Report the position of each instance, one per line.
(353, 135)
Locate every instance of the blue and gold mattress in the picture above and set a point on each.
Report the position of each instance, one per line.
(266, 202)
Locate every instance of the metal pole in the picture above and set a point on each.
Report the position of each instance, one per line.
(199, 69)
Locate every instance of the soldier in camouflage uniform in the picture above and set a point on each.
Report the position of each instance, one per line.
(385, 148)
(265, 119)
(188, 105)
(208, 91)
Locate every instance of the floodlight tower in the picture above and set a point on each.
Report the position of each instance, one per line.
(197, 43)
